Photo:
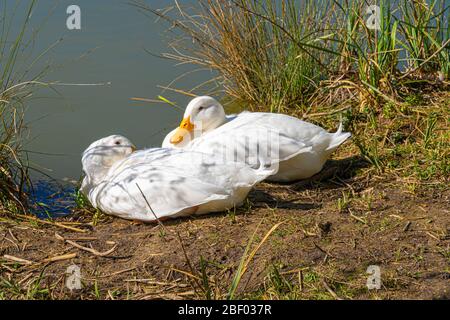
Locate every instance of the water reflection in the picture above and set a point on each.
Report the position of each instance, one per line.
(109, 51)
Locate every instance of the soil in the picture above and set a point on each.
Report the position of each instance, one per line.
(333, 228)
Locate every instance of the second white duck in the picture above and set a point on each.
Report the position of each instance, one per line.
(297, 148)
(173, 182)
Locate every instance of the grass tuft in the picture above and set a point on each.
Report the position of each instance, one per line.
(16, 87)
(321, 61)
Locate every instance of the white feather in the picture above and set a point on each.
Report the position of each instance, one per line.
(174, 182)
(298, 149)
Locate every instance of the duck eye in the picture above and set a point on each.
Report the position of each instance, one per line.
(201, 108)
(117, 142)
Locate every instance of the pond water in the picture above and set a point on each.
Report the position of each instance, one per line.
(110, 51)
(98, 69)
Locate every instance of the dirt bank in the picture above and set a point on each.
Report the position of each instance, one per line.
(331, 232)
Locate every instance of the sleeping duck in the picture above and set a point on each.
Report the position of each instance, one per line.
(158, 183)
(296, 149)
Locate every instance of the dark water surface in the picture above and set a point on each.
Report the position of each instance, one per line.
(109, 49)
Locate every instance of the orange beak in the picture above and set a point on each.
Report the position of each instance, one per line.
(185, 125)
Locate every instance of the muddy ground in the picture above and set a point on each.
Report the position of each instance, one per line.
(332, 230)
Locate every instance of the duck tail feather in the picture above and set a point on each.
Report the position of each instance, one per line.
(338, 138)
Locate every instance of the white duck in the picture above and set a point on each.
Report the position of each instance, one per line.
(116, 174)
(299, 149)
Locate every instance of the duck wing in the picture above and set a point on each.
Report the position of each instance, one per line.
(253, 142)
(172, 181)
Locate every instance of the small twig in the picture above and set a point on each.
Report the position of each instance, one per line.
(18, 260)
(312, 115)
(186, 273)
(406, 228)
(323, 250)
(293, 271)
(60, 258)
(426, 60)
(158, 283)
(110, 295)
(12, 235)
(15, 244)
(300, 279)
(28, 276)
(189, 262)
(309, 234)
(8, 268)
(169, 296)
(325, 284)
(357, 218)
(50, 223)
(433, 236)
(83, 239)
(189, 94)
(91, 250)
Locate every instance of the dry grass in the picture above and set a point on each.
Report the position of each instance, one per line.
(318, 60)
(16, 87)
(283, 245)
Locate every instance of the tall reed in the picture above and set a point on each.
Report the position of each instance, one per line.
(323, 59)
(273, 55)
(15, 89)
(426, 34)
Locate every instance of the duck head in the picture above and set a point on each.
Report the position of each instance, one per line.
(202, 114)
(100, 156)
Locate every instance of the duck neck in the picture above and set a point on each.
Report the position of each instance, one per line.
(98, 174)
(96, 170)
(217, 122)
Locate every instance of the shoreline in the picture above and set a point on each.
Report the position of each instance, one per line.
(323, 239)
